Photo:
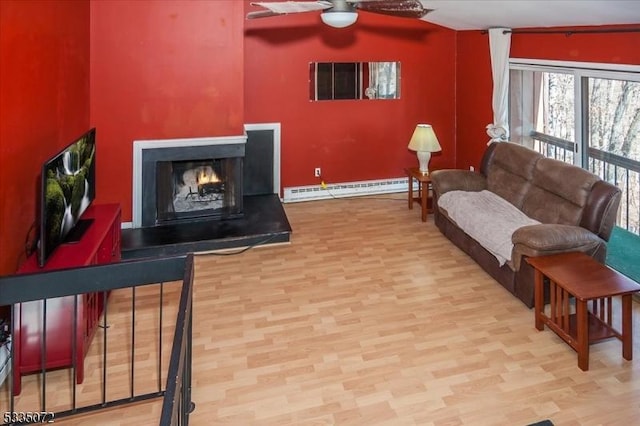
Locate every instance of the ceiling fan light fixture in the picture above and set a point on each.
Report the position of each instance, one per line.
(339, 19)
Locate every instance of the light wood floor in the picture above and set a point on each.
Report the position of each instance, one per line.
(370, 316)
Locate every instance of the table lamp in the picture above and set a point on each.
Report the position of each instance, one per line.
(424, 142)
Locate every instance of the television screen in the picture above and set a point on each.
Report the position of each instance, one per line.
(68, 188)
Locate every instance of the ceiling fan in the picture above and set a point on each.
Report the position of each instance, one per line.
(341, 13)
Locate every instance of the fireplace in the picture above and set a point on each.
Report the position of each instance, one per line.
(190, 189)
(177, 182)
(183, 188)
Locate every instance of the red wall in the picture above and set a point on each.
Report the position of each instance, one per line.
(473, 97)
(474, 81)
(174, 69)
(350, 140)
(44, 105)
(161, 69)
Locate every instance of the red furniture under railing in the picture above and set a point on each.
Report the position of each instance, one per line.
(100, 244)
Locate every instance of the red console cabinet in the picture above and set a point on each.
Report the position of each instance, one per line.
(99, 244)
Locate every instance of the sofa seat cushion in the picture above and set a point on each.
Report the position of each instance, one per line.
(487, 218)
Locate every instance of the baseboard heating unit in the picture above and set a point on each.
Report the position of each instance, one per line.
(349, 189)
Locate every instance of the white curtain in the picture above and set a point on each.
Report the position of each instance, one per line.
(499, 47)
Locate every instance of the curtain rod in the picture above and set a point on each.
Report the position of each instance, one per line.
(569, 32)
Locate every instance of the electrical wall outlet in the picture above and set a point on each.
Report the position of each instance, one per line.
(317, 172)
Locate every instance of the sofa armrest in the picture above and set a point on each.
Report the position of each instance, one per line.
(457, 180)
(545, 239)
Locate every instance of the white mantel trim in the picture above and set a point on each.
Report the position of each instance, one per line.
(140, 146)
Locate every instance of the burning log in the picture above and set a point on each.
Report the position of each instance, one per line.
(209, 183)
(210, 188)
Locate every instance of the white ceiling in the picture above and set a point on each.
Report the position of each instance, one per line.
(485, 14)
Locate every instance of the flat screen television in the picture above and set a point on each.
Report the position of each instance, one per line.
(68, 186)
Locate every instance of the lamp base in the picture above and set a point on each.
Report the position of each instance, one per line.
(423, 160)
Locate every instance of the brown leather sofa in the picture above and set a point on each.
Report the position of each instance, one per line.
(576, 208)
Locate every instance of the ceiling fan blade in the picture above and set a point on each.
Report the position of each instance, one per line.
(286, 7)
(261, 14)
(401, 8)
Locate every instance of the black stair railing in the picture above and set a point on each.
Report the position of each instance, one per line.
(48, 287)
(177, 404)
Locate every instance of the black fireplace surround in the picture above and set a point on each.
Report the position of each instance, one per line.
(162, 175)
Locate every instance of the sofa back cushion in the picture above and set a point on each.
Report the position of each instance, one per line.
(548, 190)
(509, 170)
(558, 192)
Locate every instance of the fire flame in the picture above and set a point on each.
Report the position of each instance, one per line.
(204, 177)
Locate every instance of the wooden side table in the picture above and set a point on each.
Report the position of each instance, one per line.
(582, 277)
(424, 182)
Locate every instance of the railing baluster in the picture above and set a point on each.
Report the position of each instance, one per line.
(637, 229)
(43, 354)
(160, 338)
(12, 402)
(74, 360)
(133, 338)
(627, 199)
(105, 327)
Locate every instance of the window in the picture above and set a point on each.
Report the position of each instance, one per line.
(584, 114)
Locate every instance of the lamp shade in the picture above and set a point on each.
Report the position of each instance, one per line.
(424, 139)
(339, 19)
